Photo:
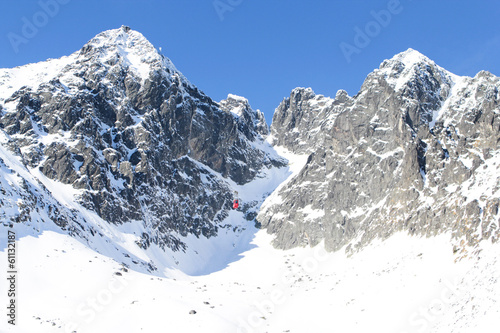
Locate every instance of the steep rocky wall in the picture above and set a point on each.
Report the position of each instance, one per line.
(416, 149)
(119, 122)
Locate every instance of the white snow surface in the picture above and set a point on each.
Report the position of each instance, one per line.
(237, 98)
(12, 79)
(403, 284)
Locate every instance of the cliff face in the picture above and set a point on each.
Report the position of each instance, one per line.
(140, 144)
(417, 149)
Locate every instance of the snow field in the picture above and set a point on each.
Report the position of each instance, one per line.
(402, 284)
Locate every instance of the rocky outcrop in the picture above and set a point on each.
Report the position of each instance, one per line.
(117, 121)
(417, 149)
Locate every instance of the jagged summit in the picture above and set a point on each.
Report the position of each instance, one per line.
(111, 54)
(132, 141)
(130, 49)
(123, 37)
(410, 66)
(410, 58)
(411, 151)
(307, 90)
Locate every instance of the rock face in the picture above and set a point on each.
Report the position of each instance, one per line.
(119, 127)
(417, 149)
(118, 122)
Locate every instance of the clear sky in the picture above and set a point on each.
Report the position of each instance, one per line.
(262, 49)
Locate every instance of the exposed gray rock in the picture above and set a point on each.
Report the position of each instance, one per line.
(118, 121)
(417, 149)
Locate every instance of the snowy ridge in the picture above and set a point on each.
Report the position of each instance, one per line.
(12, 79)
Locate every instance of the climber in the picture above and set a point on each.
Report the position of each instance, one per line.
(236, 201)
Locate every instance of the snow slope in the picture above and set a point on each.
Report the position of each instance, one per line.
(401, 284)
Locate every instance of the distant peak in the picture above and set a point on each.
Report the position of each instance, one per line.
(412, 56)
(301, 93)
(303, 90)
(123, 36)
(485, 75)
(129, 48)
(410, 51)
(237, 98)
(409, 58)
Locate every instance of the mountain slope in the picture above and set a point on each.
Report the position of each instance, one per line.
(402, 284)
(118, 176)
(417, 149)
(139, 146)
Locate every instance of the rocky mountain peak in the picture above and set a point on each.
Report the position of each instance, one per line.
(133, 138)
(302, 93)
(410, 68)
(124, 49)
(409, 152)
(237, 105)
(342, 96)
(302, 118)
(123, 37)
(409, 58)
(122, 40)
(252, 120)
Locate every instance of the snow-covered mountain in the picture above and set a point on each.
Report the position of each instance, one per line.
(114, 136)
(118, 176)
(417, 149)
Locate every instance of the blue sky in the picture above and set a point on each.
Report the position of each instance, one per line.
(262, 49)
